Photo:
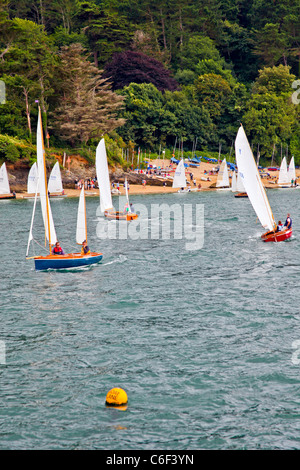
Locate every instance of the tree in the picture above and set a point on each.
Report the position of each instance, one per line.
(87, 107)
(271, 118)
(134, 67)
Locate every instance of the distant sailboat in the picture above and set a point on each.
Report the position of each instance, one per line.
(32, 179)
(255, 189)
(292, 171)
(283, 178)
(4, 184)
(52, 261)
(241, 192)
(106, 204)
(233, 182)
(179, 180)
(55, 186)
(223, 177)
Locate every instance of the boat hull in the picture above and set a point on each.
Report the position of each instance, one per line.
(277, 236)
(7, 196)
(241, 195)
(121, 215)
(70, 260)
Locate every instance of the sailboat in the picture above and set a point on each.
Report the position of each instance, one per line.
(283, 178)
(52, 261)
(292, 172)
(106, 204)
(55, 186)
(255, 189)
(32, 179)
(240, 187)
(179, 180)
(223, 177)
(233, 182)
(4, 184)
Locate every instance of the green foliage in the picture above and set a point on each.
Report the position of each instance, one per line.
(234, 60)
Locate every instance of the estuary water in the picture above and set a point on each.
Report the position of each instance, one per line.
(205, 342)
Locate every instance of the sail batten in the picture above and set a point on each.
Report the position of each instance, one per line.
(252, 181)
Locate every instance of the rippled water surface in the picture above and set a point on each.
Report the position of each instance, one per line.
(202, 341)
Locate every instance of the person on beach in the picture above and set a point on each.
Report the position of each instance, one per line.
(85, 249)
(288, 222)
(57, 249)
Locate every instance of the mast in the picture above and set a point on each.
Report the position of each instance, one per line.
(45, 180)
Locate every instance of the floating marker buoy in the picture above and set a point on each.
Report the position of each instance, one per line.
(116, 397)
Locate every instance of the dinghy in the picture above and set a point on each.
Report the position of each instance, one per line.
(4, 184)
(52, 261)
(106, 204)
(179, 180)
(223, 177)
(55, 186)
(255, 189)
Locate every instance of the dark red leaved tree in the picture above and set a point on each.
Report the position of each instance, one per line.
(127, 67)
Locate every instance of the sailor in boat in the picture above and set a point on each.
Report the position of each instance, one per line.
(288, 222)
(85, 249)
(57, 249)
(279, 226)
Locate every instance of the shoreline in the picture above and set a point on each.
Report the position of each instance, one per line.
(202, 171)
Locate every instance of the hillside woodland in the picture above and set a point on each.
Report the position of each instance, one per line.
(151, 76)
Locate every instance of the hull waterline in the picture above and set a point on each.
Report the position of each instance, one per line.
(71, 260)
(277, 236)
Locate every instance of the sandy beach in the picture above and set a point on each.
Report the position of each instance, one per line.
(204, 170)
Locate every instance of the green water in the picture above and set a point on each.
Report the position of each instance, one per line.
(202, 341)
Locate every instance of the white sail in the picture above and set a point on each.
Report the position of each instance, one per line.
(233, 182)
(127, 196)
(103, 177)
(252, 180)
(239, 184)
(223, 178)
(81, 230)
(179, 180)
(292, 171)
(42, 185)
(32, 179)
(55, 182)
(283, 173)
(4, 183)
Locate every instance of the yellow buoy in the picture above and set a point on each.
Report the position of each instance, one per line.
(116, 397)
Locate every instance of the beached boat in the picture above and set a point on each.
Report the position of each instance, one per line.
(223, 177)
(4, 184)
(255, 189)
(179, 180)
(106, 204)
(290, 181)
(55, 186)
(52, 261)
